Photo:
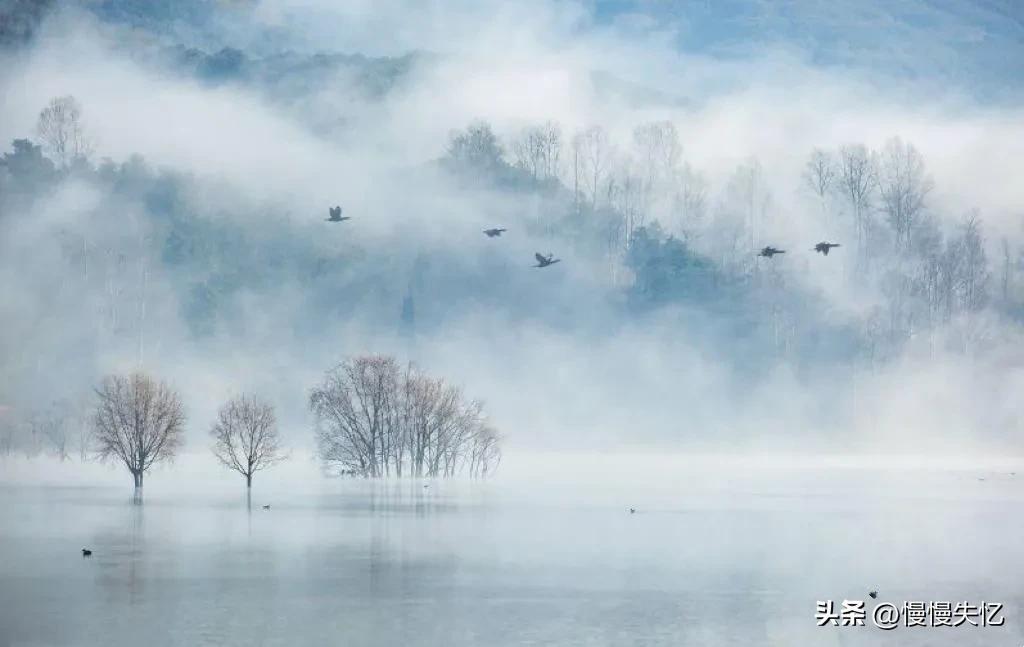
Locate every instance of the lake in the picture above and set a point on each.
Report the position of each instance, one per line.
(719, 552)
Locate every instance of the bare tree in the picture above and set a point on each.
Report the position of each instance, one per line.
(856, 182)
(626, 196)
(747, 195)
(377, 420)
(245, 436)
(690, 201)
(974, 274)
(903, 186)
(60, 128)
(138, 421)
(53, 424)
(659, 152)
(485, 452)
(538, 150)
(354, 408)
(475, 149)
(593, 154)
(820, 176)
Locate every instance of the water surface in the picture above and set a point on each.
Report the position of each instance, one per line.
(733, 556)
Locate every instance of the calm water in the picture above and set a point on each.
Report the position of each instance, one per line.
(709, 558)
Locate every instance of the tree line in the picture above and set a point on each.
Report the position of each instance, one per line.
(374, 419)
(667, 235)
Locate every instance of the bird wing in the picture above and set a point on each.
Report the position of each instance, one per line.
(540, 259)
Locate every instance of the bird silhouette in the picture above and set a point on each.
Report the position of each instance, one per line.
(824, 247)
(497, 231)
(769, 251)
(336, 215)
(544, 261)
(632, 511)
(266, 507)
(873, 594)
(86, 552)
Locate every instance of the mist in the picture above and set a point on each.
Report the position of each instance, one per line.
(562, 360)
(508, 322)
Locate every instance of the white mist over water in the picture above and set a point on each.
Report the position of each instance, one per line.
(720, 551)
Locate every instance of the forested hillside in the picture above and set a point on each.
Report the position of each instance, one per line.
(229, 269)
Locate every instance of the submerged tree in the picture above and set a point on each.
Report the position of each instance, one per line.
(245, 436)
(139, 421)
(377, 419)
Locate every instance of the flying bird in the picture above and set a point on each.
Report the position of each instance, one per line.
(632, 511)
(266, 507)
(824, 247)
(544, 261)
(497, 231)
(336, 215)
(86, 552)
(769, 251)
(873, 594)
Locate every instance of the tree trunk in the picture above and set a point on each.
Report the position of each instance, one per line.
(248, 480)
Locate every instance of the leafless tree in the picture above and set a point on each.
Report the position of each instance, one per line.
(748, 197)
(903, 186)
(485, 452)
(658, 152)
(376, 419)
(245, 436)
(593, 154)
(626, 196)
(475, 149)
(60, 128)
(53, 424)
(538, 150)
(820, 176)
(690, 201)
(354, 409)
(856, 182)
(974, 276)
(138, 421)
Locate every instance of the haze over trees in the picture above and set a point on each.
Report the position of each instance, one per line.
(245, 436)
(138, 421)
(657, 220)
(61, 131)
(376, 418)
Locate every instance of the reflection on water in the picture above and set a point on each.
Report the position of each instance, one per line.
(708, 559)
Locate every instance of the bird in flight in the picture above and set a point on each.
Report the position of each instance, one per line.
(86, 552)
(336, 215)
(873, 594)
(824, 247)
(497, 231)
(544, 261)
(769, 251)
